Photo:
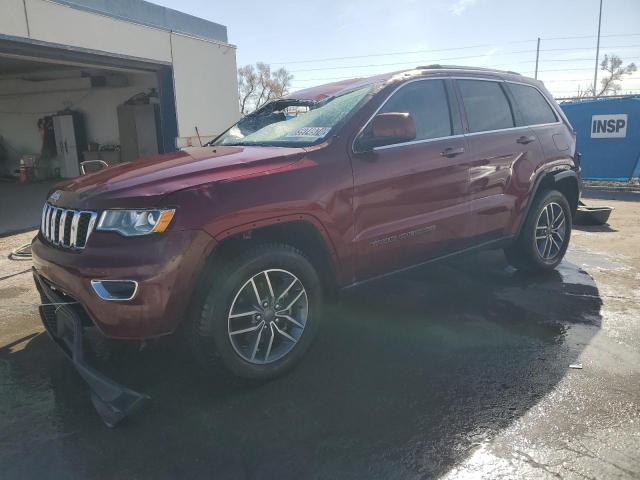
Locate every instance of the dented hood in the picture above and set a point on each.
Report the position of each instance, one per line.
(143, 182)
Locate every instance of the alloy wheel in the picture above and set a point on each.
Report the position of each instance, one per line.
(268, 316)
(551, 230)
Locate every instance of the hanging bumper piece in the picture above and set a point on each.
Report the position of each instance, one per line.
(112, 401)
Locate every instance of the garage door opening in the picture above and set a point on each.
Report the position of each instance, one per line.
(62, 111)
(55, 116)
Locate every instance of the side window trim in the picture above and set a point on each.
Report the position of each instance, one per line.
(511, 102)
(553, 109)
(455, 113)
(413, 142)
(518, 117)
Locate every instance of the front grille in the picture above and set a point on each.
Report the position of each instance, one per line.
(67, 228)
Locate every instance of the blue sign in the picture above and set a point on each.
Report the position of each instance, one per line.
(607, 136)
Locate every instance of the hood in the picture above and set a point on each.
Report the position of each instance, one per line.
(141, 183)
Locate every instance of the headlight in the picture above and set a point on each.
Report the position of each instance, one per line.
(131, 223)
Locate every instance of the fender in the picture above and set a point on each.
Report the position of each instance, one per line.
(554, 175)
(283, 219)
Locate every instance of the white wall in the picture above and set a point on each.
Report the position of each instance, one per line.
(206, 86)
(12, 19)
(19, 114)
(52, 22)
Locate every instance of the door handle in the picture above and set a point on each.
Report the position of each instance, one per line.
(66, 149)
(452, 152)
(525, 139)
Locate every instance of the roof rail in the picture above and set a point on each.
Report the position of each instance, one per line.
(461, 67)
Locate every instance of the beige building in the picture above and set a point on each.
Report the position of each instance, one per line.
(128, 77)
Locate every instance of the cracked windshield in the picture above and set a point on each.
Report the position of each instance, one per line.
(293, 122)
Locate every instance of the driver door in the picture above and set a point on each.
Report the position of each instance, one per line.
(410, 198)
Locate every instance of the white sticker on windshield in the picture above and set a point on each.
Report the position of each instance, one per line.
(310, 132)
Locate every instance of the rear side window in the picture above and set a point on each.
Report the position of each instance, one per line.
(426, 102)
(533, 107)
(486, 105)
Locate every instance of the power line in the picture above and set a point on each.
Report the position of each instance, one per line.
(582, 48)
(466, 57)
(326, 59)
(409, 52)
(414, 62)
(491, 66)
(524, 72)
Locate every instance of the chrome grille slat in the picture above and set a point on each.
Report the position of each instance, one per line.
(74, 229)
(92, 222)
(47, 222)
(61, 227)
(52, 226)
(44, 216)
(55, 224)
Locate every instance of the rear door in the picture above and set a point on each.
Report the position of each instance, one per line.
(502, 157)
(533, 109)
(410, 198)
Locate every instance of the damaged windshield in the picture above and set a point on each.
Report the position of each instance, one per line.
(293, 122)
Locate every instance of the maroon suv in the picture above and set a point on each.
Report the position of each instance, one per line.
(236, 243)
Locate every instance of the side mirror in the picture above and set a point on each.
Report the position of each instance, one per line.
(387, 129)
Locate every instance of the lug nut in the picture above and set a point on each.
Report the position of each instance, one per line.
(264, 304)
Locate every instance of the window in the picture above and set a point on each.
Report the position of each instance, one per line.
(426, 102)
(533, 106)
(486, 105)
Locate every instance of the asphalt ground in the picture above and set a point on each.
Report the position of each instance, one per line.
(459, 370)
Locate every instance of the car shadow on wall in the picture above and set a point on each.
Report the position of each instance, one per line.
(406, 376)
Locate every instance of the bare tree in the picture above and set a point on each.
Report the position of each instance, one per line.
(258, 84)
(247, 85)
(609, 84)
(613, 66)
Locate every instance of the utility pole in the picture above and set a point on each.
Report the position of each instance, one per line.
(537, 58)
(595, 75)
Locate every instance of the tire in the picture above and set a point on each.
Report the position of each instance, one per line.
(223, 331)
(526, 253)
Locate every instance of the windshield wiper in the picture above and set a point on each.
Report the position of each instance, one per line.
(247, 144)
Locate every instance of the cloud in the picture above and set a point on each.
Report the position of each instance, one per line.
(460, 6)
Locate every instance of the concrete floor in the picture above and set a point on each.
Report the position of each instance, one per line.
(22, 204)
(458, 371)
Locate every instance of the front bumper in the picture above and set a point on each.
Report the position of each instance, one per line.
(62, 321)
(164, 266)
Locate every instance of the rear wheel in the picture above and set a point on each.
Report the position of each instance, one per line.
(259, 314)
(544, 237)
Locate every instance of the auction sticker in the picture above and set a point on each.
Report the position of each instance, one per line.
(310, 132)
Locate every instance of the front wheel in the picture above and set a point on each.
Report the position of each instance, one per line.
(544, 238)
(260, 313)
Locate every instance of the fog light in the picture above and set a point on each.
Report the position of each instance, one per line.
(115, 290)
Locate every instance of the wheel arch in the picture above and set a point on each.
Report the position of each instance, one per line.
(566, 180)
(301, 232)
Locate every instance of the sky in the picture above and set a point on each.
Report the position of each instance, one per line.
(311, 38)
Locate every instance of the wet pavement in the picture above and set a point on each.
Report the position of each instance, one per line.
(461, 370)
